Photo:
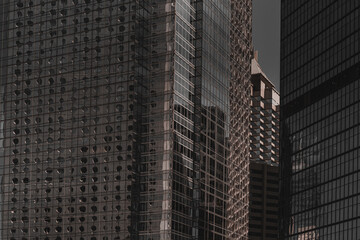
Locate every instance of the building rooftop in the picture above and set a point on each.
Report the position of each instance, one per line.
(256, 69)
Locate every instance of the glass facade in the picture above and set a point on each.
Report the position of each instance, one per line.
(115, 118)
(212, 102)
(319, 119)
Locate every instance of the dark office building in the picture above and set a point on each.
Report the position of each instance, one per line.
(320, 97)
(264, 201)
(115, 119)
(264, 157)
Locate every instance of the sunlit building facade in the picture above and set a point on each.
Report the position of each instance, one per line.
(319, 160)
(116, 119)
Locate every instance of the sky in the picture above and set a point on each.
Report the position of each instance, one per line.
(266, 37)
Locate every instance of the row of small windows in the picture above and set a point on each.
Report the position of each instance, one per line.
(59, 229)
(82, 209)
(70, 238)
(25, 4)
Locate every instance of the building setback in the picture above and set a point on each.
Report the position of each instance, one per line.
(125, 119)
(264, 156)
(320, 120)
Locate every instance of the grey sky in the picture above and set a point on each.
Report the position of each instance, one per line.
(266, 37)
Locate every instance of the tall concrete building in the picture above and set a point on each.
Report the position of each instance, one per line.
(265, 110)
(240, 100)
(122, 119)
(320, 62)
(264, 160)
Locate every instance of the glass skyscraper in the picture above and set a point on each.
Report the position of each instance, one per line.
(320, 117)
(116, 123)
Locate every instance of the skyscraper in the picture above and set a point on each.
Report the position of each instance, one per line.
(265, 107)
(116, 120)
(264, 160)
(319, 119)
(240, 102)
